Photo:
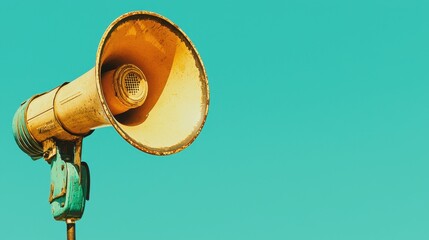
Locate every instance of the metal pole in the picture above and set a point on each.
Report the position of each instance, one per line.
(71, 231)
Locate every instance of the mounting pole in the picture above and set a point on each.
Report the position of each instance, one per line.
(71, 230)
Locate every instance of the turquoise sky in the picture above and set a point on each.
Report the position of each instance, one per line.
(318, 127)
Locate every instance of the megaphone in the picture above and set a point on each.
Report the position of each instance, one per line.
(148, 82)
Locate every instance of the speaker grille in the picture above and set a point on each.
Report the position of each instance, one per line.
(130, 86)
(132, 83)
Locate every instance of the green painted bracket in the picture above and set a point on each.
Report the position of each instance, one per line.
(69, 189)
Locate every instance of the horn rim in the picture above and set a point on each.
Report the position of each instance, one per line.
(111, 118)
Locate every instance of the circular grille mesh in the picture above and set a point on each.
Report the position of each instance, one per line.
(132, 83)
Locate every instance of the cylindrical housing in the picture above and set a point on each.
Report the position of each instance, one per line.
(66, 113)
(78, 106)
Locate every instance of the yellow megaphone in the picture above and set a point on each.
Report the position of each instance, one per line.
(148, 82)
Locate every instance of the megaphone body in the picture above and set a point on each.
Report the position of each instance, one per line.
(148, 82)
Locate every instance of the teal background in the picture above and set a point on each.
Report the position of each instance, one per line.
(317, 129)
